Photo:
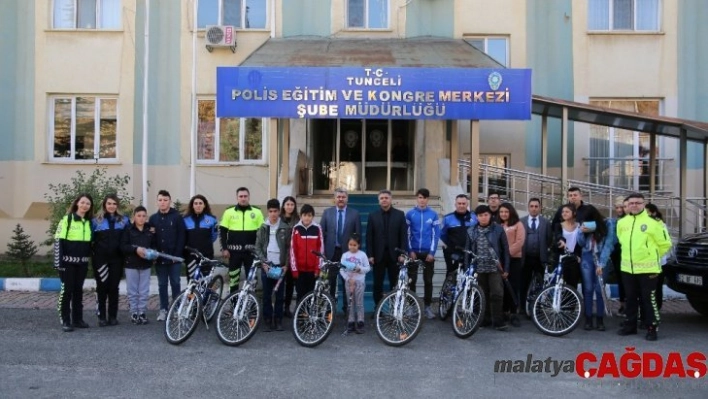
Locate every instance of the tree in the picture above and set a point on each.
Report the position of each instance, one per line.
(98, 185)
(21, 248)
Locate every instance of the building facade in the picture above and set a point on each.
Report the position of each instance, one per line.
(77, 78)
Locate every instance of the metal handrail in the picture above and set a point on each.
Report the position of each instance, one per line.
(521, 185)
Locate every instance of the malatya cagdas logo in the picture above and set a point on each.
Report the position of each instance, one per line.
(630, 364)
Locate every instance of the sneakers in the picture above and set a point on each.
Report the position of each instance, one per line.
(360, 327)
(142, 319)
(162, 315)
(600, 324)
(627, 330)
(81, 324)
(102, 322)
(515, 320)
(429, 313)
(134, 318)
(651, 334)
(588, 323)
(113, 322)
(351, 327)
(66, 327)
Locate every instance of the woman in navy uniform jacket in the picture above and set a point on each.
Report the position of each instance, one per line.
(107, 227)
(202, 231)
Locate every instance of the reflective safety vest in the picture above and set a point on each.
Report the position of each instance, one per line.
(644, 241)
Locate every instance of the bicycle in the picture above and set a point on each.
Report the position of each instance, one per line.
(538, 282)
(313, 319)
(398, 315)
(557, 308)
(469, 299)
(240, 313)
(200, 299)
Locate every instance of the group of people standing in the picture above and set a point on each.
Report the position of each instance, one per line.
(507, 248)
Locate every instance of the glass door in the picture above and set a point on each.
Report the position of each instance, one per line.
(362, 155)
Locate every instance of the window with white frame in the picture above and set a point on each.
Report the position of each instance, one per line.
(367, 14)
(495, 47)
(83, 127)
(86, 14)
(618, 156)
(627, 15)
(243, 14)
(228, 140)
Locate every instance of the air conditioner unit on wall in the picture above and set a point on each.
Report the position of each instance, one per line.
(220, 36)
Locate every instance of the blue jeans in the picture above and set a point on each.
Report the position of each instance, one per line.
(165, 272)
(268, 285)
(591, 285)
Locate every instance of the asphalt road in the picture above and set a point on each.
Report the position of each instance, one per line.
(38, 360)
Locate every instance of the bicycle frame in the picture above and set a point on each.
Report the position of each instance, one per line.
(402, 286)
(557, 280)
(465, 279)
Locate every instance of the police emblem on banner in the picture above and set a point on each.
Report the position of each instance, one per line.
(494, 80)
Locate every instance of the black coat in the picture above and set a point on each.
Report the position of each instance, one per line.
(377, 239)
(133, 238)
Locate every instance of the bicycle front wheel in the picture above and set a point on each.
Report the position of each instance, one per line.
(313, 320)
(398, 318)
(446, 296)
(562, 318)
(468, 311)
(213, 297)
(183, 317)
(237, 318)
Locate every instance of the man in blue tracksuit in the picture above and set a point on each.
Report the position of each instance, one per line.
(423, 236)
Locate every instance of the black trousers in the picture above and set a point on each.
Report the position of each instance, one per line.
(515, 280)
(71, 295)
(108, 277)
(493, 287)
(450, 264)
(532, 265)
(427, 278)
(616, 258)
(305, 284)
(289, 289)
(382, 268)
(236, 260)
(334, 277)
(571, 272)
(641, 291)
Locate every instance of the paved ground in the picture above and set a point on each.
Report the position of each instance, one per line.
(37, 360)
(48, 300)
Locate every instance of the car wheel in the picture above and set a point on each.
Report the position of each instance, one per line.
(699, 304)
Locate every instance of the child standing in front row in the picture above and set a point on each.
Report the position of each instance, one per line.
(357, 265)
(135, 242)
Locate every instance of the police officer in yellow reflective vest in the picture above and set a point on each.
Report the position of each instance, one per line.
(237, 231)
(72, 251)
(644, 241)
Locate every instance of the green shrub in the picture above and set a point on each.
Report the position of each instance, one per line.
(98, 184)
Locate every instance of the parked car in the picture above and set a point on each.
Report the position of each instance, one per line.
(687, 272)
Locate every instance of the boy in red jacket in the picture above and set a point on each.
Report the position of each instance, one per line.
(306, 237)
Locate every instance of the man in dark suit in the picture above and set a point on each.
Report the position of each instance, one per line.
(386, 230)
(338, 223)
(539, 236)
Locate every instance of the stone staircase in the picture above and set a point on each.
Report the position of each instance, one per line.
(365, 204)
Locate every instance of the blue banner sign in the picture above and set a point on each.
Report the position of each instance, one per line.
(373, 93)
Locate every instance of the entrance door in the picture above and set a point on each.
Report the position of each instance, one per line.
(362, 155)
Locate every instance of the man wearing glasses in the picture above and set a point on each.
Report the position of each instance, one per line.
(644, 241)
